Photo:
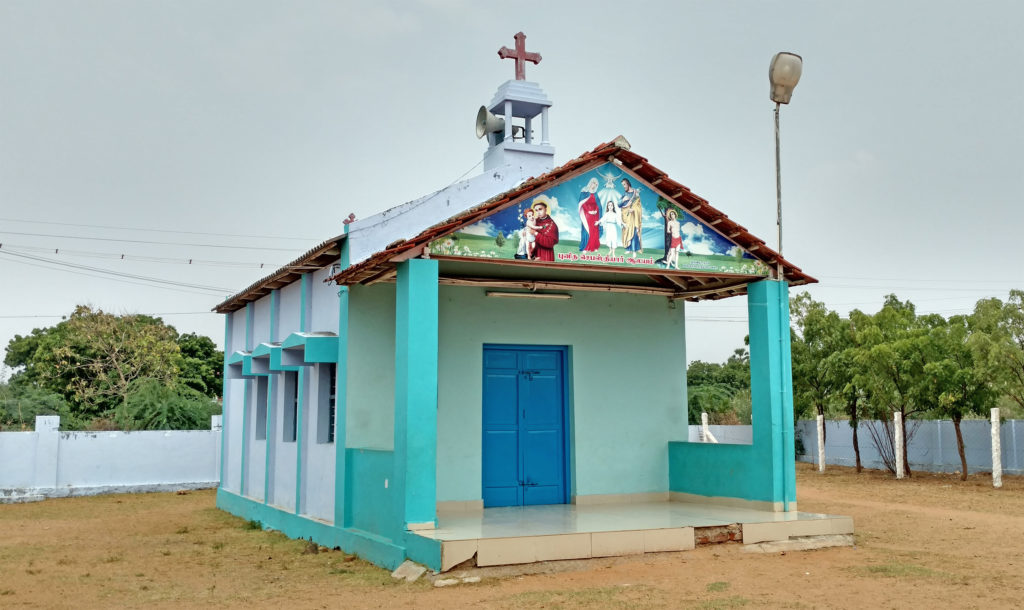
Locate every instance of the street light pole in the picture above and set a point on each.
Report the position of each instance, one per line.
(778, 192)
(784, 74)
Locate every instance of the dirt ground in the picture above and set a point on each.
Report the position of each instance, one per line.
(931, 541)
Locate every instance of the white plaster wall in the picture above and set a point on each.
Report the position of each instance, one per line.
(237, 335)
(49, 463)
(17, 460)
(324, 303)
(370, 401)
(725, 435)
(96, 459)
(282, 455)
(291, 310)
(628, 375)
(318, 458)
(234, 409)
(261, 321)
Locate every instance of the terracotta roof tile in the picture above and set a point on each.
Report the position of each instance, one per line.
(315, 258)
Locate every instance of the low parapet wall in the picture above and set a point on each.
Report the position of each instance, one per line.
(48, 463)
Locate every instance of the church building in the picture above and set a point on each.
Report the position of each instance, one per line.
(496, 372)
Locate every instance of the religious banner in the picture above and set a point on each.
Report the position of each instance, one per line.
(601, 217)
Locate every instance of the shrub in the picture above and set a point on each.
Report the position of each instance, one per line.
(153, 405)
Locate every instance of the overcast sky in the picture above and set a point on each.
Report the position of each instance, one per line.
(178, 126)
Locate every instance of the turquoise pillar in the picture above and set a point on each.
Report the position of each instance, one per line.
(301, 410)
(342, 518)
(269, 454)
(771, 386)
(245, 402)
(416, 393)
(224, 399)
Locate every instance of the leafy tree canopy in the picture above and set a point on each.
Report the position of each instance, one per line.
(94, 361)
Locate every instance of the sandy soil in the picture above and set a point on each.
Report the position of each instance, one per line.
(927, 542)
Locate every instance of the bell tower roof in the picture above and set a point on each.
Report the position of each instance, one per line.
(511, 141)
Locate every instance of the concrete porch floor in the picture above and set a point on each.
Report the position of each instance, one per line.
(514, 535)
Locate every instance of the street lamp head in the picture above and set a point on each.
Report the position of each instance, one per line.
(784, 74)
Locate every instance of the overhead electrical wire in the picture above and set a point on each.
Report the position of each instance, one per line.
(161, 313)
(114, 275)
(74, 224)
(112, 279)
(149, 242)
(910, 279)
(153, 259)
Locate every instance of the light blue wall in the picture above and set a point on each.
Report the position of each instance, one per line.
(323, 303)
(371, 367)
(627, 360)
(318, 458)
(282, 464)
(256, 450)
(620, 443)
(238, 324)
(261, 321)
(234, 407)
(290, 310)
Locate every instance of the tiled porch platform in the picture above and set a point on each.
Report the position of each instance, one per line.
(511, 535)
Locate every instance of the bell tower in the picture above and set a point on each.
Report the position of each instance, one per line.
(509, 122)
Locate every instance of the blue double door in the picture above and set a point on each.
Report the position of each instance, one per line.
(524, 425)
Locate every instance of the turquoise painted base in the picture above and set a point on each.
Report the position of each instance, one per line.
(375, 549)
(765, 470)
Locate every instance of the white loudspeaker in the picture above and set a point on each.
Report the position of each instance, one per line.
(488, 123)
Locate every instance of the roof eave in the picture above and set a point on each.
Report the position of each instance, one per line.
(316, 258)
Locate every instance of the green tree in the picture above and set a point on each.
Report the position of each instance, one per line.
(843, 367)
(890, 362)
(95, 360)
(663, 205)
(718, 389)
(21, 402)
(957, 382)
(1001, 344)
(824, 368)
(817, 333)
(152, 405)
(202, 366)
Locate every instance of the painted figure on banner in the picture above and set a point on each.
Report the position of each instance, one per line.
(528, 235)
(675, 244)
(622, 222)
(609, 194)
(632, 219)
(610, 223)
(547, 231)
(590, 213)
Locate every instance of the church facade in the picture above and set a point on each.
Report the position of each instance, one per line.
(439, 380)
